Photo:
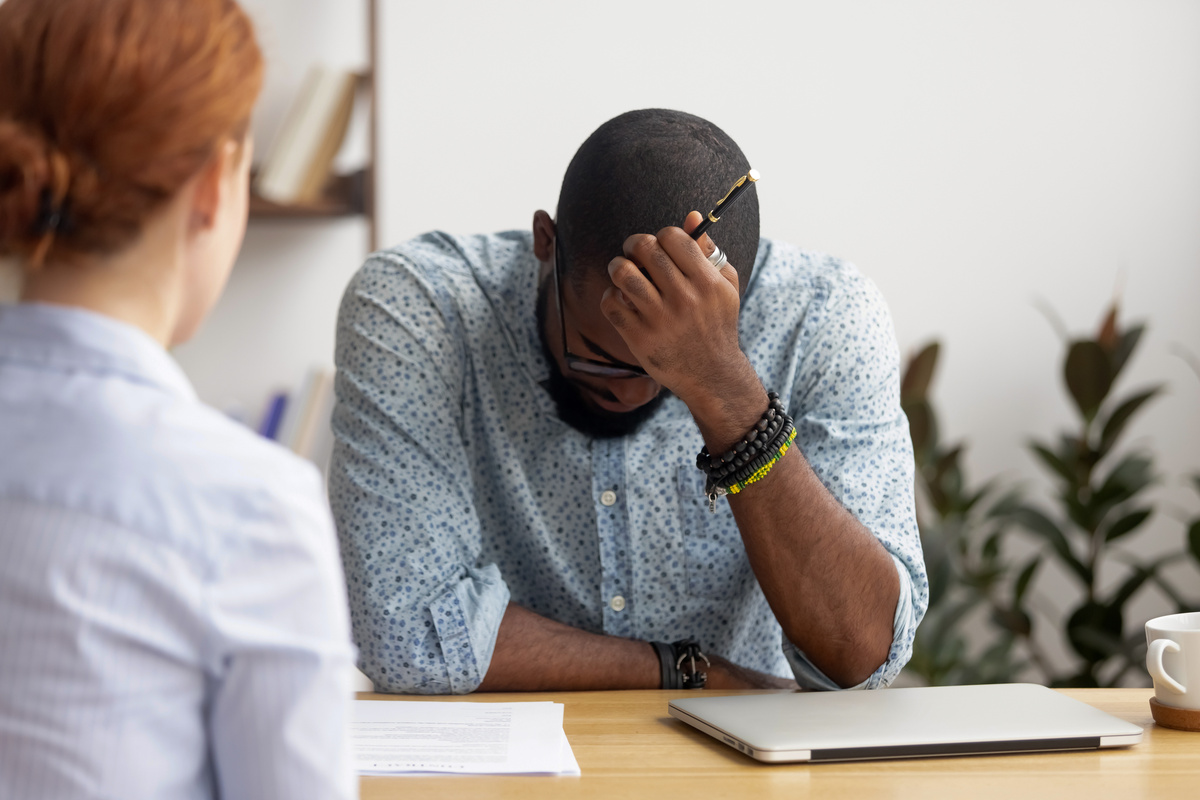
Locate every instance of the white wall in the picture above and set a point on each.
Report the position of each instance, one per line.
(973, 158)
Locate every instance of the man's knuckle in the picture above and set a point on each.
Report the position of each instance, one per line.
(642, 244)
(671, 233)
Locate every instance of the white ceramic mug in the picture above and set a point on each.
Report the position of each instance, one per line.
(1173, 659)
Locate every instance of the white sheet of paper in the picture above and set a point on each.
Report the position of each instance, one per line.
(393, 737)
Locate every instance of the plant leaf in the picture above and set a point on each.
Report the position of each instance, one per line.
(1125, 348)
(1099, 644)
(1012, 619)
(1083, 516)
(1131, 475)
(1082, 680)
(1107, 337)
(1089, 376)
(1194, 540)
(991, 547)
(1056, 464)
(943, 626)
(1037, 522)
(947, 462)
(938, 570)
(1127, 524)
(1024, 579)
(1130, 587)
(918, 375)
(971, 500)
(1094, 630)
(1005, 506)
(922, 428)
(1120, 418)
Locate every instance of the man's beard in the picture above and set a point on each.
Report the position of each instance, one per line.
(595, 423)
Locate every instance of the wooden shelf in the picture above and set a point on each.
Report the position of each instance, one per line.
(350, 195)
(345, 196)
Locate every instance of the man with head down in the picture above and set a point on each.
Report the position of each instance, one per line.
(518, 481)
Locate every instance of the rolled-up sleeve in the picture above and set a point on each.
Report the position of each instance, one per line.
(424, 611)
(855, 437)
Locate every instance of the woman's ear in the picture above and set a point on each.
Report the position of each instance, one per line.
(209, 185)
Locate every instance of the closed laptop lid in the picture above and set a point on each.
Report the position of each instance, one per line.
(904, 723)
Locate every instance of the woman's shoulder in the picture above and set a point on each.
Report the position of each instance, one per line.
(164, 467)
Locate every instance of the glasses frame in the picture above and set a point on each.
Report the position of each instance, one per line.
(585, 366)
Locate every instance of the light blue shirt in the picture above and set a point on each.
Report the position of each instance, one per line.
(456, 487)
(173, 621)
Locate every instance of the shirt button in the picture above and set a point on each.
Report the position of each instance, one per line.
(607, 499)
(618, 603)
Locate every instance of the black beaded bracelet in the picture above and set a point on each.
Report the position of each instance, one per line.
(752, 444)
(752, 457)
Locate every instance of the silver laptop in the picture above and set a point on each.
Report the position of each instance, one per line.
(904, 723)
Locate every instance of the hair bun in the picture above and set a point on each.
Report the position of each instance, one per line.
(29, 166)
(86, 160)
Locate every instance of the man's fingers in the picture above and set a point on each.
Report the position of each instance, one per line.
(647, 252)
(708, 247)
(689, 255)
(730, 274)
(690, 223)
(637, 290)
(620, 312)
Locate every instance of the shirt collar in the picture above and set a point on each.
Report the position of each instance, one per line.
(69, 338)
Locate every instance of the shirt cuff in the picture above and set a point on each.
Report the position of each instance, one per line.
(903, 630)
(467, 618)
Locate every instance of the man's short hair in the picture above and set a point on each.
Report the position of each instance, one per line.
(642, 171)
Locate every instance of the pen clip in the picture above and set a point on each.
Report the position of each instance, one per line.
(740, 181)
(752, 176)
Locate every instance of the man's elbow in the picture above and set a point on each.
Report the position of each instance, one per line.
(409, 681)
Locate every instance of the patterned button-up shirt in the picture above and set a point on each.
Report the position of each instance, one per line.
(456, 488)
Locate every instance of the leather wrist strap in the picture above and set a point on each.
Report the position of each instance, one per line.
(669, 677)
(686, 653)
(677, 664)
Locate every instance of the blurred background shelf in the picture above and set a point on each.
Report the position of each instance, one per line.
(344, 196)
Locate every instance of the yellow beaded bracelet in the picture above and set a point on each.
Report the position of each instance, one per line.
(762, 471)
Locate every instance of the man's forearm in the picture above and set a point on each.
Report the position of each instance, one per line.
(533, 653)
(832, 586)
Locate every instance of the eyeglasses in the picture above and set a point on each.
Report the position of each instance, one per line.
(587, 366)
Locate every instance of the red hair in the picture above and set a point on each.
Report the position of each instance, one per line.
(108, 107)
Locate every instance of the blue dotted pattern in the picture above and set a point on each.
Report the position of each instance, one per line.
(456, 488)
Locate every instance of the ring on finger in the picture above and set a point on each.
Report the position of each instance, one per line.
(718, 258)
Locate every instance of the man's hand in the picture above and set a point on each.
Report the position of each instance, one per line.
(677, 313)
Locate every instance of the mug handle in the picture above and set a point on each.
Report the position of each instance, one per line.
(1154, 664)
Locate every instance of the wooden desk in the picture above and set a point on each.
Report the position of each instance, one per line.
(629, 747)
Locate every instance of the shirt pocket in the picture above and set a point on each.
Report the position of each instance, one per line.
(714, 556)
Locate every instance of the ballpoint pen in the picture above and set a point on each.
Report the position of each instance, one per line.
(743, 183)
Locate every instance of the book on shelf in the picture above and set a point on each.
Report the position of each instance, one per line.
(312, 432)
(299, 162)
(273, 415)
(301, 423)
